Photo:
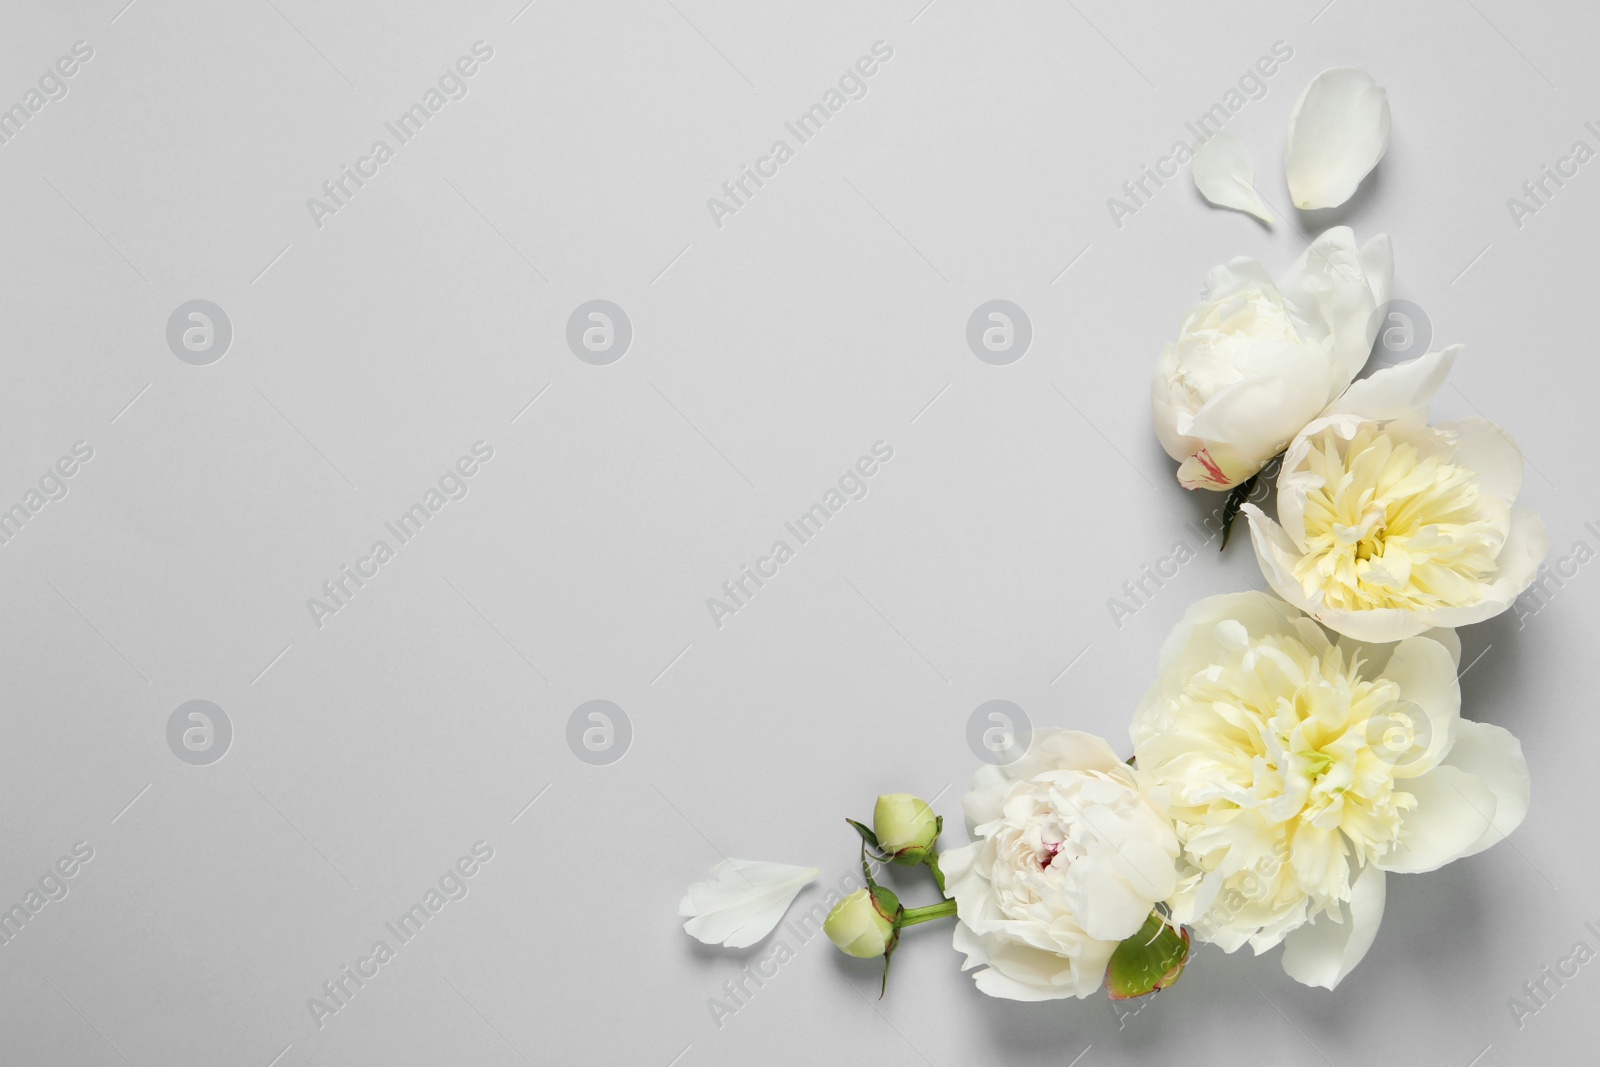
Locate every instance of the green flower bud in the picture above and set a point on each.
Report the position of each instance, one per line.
(860, 925)
(906, 827)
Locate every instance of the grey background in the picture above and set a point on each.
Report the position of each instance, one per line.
(767, 355)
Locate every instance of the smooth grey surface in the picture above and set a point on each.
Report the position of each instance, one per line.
(432, 711)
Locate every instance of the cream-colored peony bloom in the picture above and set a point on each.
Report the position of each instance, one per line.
(1302, 769)
(1071, 852)
(1390, 526)
(1257, 359)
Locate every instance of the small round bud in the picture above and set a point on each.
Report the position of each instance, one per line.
(859, 926)
(906, 827)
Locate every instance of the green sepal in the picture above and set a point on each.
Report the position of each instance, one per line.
(886, 902)
(867, 836)
(889, 907)
(1150, 960)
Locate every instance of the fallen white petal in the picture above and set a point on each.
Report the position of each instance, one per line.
(1337, 133)
(1225, 175)
(743, 901)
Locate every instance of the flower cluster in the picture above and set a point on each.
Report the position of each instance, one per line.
(1298, 747)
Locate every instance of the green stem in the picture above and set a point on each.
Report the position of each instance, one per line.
(933, 865)
(945, 909)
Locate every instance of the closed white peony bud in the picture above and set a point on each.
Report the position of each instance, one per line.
(906, 827)
(1258, 359)
(859, 926)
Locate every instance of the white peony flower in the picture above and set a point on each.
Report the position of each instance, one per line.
(1338, 131)
(1391, 526)
(1256, 360)
(1071, 853)
(1302, 769)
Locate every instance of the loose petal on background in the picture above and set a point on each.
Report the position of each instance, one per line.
(1337, 133)
(1225, 175)
(743, 901)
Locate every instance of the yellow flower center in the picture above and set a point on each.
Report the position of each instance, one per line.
(1283, 768)
(1392, 528)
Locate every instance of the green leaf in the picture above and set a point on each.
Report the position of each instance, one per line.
(1236, 499)
(867, 836)
(1150, 960)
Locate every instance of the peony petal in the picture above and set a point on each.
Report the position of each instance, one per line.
(1240, 272)
(1062, 750)
(1322, 952)
(982, 802)
(1377, 263)
(1394, 392)
(1267, 411)
(1276, 555)
(1490, 453)
(743, 901)
(1331, 293)
(1377, 625)
(1225, 175)
(1527, 543)
(1426, 674)
(1021, 972)
(1338, 131)
(1376, 656)
(1494, 757)
(1454, 810)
